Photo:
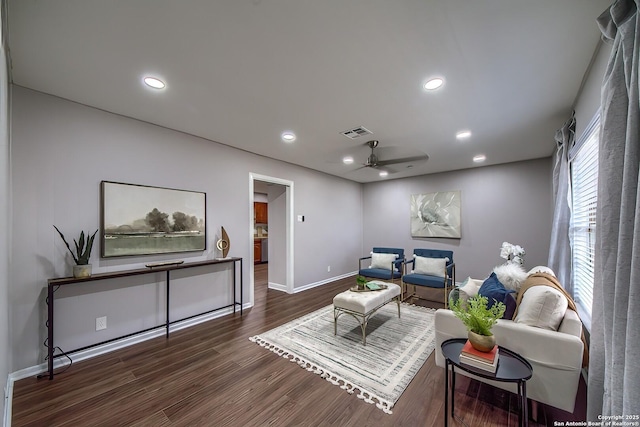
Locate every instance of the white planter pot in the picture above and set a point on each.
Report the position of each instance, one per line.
(80, 271)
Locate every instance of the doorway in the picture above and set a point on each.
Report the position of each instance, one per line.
(279, 232)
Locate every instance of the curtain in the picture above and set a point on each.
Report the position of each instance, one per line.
(614, 369)
(560, 249)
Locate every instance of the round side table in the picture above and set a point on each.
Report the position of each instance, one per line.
(512, 368)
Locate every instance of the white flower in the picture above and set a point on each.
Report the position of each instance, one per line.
(505, 250)
(512, 253)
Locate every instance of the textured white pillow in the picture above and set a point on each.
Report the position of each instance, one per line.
(511, 275)
(382, 260)
(542, 269)
(429, 266)
(470, 287)
(542, 307)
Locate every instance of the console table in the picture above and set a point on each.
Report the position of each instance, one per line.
(53, 284)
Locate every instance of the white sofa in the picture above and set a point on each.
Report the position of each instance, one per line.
(556, 356)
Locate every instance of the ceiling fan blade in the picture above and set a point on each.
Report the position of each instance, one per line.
(357, 169)
(385, 168)
(403, 160)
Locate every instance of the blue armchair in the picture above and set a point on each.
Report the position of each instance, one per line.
(430, 268)
(383, 264)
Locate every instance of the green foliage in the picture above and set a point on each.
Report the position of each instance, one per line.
(83, 248)
(476, 316)
(360, 280)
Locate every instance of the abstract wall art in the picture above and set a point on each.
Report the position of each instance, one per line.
(436, 214)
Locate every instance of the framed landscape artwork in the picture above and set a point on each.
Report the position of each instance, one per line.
(436, 214)
(144, 220)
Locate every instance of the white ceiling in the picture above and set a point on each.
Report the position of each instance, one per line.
(240, 72)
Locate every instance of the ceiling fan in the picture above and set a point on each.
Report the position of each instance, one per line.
(374, 162)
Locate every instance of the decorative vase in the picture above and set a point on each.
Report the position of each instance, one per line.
(360, 286)
(482, 343)
(80, 271)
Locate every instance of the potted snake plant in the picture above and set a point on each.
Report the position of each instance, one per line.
(82, 253)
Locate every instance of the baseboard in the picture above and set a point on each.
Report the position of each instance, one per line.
(118, 344)
(277, 287)
(322, 282)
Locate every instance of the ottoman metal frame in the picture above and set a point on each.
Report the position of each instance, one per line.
(362, 318)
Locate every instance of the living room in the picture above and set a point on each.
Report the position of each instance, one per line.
(58, 151)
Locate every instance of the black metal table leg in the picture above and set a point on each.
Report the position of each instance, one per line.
(241, 298)
(453, 389)
(446, 392)
(167, 324)
(525, 414)
(50, 347)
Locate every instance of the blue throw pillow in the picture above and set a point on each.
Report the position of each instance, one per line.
(495, 291)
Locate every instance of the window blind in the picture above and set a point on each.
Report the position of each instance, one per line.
(584, 201)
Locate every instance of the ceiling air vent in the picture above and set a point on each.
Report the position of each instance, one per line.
(356, 132)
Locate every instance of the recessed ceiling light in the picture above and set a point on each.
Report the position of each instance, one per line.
(154, 82)
(384, 173)
(479, 158)
(434, 83)
(288, 136)
(463, 134)
(347, 160)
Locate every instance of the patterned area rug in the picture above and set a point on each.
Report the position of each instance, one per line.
(380, 371)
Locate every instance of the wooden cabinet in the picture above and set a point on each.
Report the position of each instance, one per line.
(257, 251)
(260, 211)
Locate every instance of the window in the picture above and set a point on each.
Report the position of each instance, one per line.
(584, 200)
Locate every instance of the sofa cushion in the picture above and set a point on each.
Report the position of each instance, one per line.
(543, 307)
(511, 275)
(423, 280)
(382, 261)
(380, 273)
(429, 266)
(495, 291)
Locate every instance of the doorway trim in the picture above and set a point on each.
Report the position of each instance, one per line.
(289, 221)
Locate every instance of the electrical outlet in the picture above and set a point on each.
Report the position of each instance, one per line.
(328, 268)
(101, 323)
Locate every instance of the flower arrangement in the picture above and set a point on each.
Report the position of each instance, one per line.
(512, 253)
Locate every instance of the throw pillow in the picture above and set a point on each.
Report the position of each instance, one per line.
(429, 266)
(495, 291)
(542, 307)
(382, 261)
(465, 290)
(470, 287)
(511, 275)
(541, 269)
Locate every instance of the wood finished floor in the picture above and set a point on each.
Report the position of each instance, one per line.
(212, 375)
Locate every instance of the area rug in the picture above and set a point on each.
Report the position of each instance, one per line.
(380, 371)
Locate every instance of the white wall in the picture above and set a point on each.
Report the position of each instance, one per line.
(510, 202)
(5, 235)
(60, 153)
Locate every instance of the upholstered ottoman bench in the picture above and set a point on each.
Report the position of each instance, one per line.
(363, 305)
